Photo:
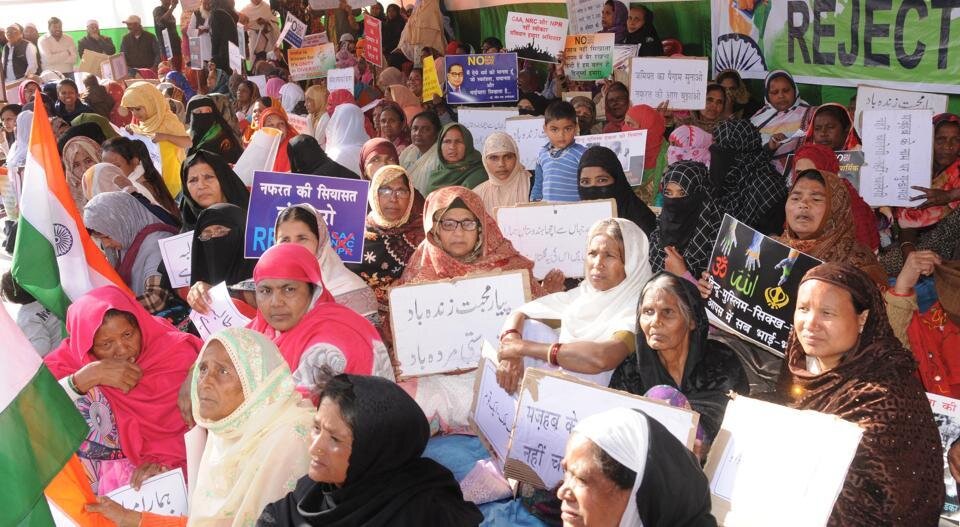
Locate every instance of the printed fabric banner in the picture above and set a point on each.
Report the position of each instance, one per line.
(755, 281)
(372, 51)
(535, 37)
(905, 44)
(341, 202)
(588, 57)
(312, 62)
(481, 78)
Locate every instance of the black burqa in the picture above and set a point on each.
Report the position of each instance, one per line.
(220, 259)
(712, 369)
(388, 481)
(210, 131)
(647, 37)
(231, 186)
(688, 223)
(306, 157)
(629, 206)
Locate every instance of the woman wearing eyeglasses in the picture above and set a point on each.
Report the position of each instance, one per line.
(461, 239)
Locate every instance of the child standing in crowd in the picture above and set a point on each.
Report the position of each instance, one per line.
(556, 174)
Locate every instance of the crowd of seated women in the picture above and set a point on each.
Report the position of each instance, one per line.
(307, 419)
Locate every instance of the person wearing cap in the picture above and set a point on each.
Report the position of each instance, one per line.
(19, 56)
(94, 41)
(58, 52)
(141, 48)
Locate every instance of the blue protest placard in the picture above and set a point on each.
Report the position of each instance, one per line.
(484, 78)
(341, 202)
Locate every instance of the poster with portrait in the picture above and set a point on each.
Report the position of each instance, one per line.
(754, 282)
(485, 78)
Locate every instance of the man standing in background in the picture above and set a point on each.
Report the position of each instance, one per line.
(141, 49)
(94, 41)
(58, 52)
(20, 55)
(163, 20)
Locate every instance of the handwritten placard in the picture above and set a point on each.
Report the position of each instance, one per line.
(164, 494)
(897, 148)
(754, 283)
(293, 31)
(312, 62)
(946, 413)
(223, 313)
(340, 79)
(494, 410)
(341, 202)
(874, 98)
(586, 16)
(554, 235)
(175, 251)
(373, 42)
(588, 57)
(550, 406)
(440, 326)
(535, 37)
(630, 148)
(528, 132)
(484, 121)
(431, 83)
(681, 82)
(481, 78)
(752, 481)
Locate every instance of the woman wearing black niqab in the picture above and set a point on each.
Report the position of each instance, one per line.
(629, 206)
(210, 131)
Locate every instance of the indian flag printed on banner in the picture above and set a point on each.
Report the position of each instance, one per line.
(55, 260)
(40, 429)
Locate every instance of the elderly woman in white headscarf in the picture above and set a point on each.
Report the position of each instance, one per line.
(598, 319)
(346, 136)
(509, 181)
(623, 468)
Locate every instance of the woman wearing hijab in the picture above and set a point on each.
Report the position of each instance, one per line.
(277, 119)
(394, 230)
(157, 122)
(8, 128)
(508, 183)
(17, 157)
(392, 124)
(832, 126)
(856, 369)
(207, 180)
(624, 468)
(640, 30)
(422, 159)
(88, 130)
(274, 85)
(306, 157)
(740, 104)
(217, 251)
(614, 20)
(132, 157)
(600, 176)
(297, 311)
(346, 135)
(79, 154)
(459, 162)
(681, 355)
(209, 131)
(365, 480)
(643, 117)
(123, 369)
(781, 117)
(689, 143)
(291, 94)
(257, 434)
(315, 101)
(303, 225)
(119, 116)
(128, 232)
(376, 153)
(28, 91)
(598, 318)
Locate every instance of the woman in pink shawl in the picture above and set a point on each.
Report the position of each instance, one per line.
(124, 368)
(299, 314)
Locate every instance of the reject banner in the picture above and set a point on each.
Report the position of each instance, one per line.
(481, 78)
(906, 44)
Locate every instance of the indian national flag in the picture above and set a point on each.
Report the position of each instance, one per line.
(40, 429)
(55, 260)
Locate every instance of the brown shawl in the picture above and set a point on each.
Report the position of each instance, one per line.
(836, 237)
(896, 477)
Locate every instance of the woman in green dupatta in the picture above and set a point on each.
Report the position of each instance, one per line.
(461, 164)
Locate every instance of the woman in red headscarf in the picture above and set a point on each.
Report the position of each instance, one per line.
(124, 368)
(274, 117)
(643, 117)
(116, 91)
(297, 311)
(376, 153)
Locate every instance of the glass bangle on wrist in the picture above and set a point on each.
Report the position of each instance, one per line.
(508, 332)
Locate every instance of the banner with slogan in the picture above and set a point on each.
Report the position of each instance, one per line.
(535, 37)
(906, 44)
(481, 78)
(754, 285)
(341, 202)
(373, 42)
(312, 62)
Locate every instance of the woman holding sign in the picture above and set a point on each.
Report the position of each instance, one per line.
(598, 319)
(843, 359)
(782, 120)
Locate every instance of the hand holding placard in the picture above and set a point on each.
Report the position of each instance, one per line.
(223, 313)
